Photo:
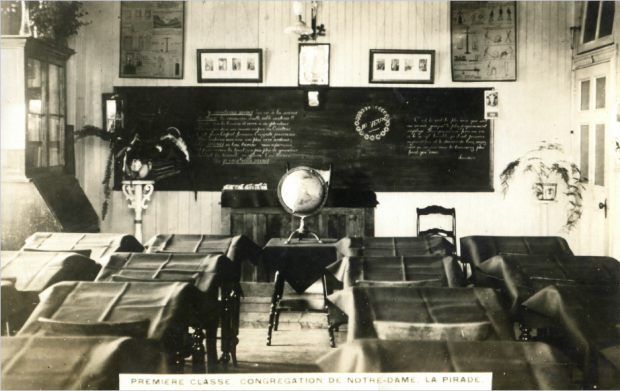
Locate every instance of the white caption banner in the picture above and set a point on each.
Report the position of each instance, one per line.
(311, 381)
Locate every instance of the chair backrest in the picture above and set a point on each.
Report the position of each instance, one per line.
(435, 209)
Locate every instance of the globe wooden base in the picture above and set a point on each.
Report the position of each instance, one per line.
(302, 231)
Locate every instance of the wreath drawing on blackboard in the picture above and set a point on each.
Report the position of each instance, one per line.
(549, 164)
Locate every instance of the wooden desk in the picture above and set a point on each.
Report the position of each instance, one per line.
(301, 264)
(258, 215)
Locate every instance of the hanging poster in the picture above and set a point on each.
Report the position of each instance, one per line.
(152, 39)
(484, 40)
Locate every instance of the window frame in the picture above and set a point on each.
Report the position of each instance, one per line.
(597, 42)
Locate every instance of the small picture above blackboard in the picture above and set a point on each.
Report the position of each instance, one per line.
(484, 40)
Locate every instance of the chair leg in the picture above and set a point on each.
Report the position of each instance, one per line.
(332, 341)
(198, 351)
(212, 349)
(233, 351)
(275, 298)
(277, 320)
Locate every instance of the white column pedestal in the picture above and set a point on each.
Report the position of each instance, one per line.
(138, 193)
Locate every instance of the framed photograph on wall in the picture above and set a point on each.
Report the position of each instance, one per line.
(152, 35)
(313, 64)
(484, 40)
(230, 65)
(402, 66)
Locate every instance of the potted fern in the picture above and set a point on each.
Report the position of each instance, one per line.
(549, 165)
(135, 153)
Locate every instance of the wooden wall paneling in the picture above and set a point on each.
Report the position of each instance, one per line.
(442, 55)
(357, 43)
(388, 27)
(216, 212)
(183, 219)
(195, 214)
(162, 212)
(331, 25)
(268, 45)
(396, 17)
(350, 64)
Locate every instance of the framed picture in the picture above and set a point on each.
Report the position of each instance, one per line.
(230, 65)
(402, 66)
(152, 35)
(484, 40)
(313, 64)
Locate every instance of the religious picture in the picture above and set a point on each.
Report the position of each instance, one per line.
(251, 64)
(223, 64)
(423, 63)
(381, 65)
(236, 64)
(409, 64)
(313, 64)
(208, 65)
(395, 64)
(491, 104)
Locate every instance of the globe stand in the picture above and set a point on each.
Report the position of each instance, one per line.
(302, 231)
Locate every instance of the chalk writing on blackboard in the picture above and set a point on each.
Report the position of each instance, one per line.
(246, 137)
(447, 136)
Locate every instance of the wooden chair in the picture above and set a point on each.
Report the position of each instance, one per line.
(434, 209)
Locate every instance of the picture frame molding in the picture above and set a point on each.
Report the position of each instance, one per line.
(400, 51)
(329, 54)
(258, 51)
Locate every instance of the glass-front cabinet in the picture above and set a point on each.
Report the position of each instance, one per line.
(45, 110)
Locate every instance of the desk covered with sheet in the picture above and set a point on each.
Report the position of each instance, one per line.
(421, 313)
(35, 271)
(394, 246)
(76, 363)
(207, 272)
(477, 249)
(300, 263)
(520, 276)
(585, 318)
(99, 244)
(422, 270)
(236, 248)
(515, 365)
(157, 310)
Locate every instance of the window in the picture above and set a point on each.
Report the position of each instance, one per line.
(597, 25)
(45, 96)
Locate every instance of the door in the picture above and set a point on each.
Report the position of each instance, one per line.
(594, 94)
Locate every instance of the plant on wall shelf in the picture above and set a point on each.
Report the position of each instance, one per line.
(51, 19)
(136, 153)
(547, 163)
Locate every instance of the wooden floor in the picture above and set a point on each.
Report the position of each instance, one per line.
(301, 339)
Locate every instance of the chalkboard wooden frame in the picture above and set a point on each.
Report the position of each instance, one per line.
(412, 53)
(393, 164)
(258, 79)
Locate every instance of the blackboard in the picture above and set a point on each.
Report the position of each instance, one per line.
(380, 139)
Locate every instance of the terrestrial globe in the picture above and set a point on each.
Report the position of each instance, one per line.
(303, 192)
